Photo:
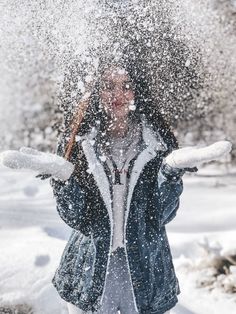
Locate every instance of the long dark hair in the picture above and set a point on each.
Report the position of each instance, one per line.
(95, 115)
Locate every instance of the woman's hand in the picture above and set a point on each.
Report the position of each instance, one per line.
(44, 163)
(192, 156)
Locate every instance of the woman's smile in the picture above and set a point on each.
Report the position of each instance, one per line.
(117, 104)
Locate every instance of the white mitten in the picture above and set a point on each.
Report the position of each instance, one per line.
(44, 163)
(193, 156)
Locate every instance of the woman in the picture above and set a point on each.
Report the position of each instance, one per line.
(118, 201)
(117, 187)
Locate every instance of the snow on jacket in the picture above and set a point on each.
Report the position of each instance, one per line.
(152, 202)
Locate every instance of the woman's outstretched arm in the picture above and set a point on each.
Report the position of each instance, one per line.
(70, 199)
(169, 187)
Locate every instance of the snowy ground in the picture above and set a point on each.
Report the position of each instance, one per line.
(32, 238)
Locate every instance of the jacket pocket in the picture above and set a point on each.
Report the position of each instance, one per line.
(164, 275)
(80, 252)
(87, 271)
(68, 257)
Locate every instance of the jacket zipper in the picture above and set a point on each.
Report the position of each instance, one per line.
(124, 233)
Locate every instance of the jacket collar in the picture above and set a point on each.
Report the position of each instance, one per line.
(153, 143)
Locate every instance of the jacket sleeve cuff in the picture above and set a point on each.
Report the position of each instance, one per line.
(171, 173)
(58, 184)
(174, 173)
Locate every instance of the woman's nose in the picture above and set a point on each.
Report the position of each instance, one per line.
(117, 93)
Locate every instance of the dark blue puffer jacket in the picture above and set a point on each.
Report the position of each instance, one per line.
(152, 202)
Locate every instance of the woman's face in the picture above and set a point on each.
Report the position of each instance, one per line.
(116, 93)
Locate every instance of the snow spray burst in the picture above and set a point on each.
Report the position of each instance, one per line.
(47, 43)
